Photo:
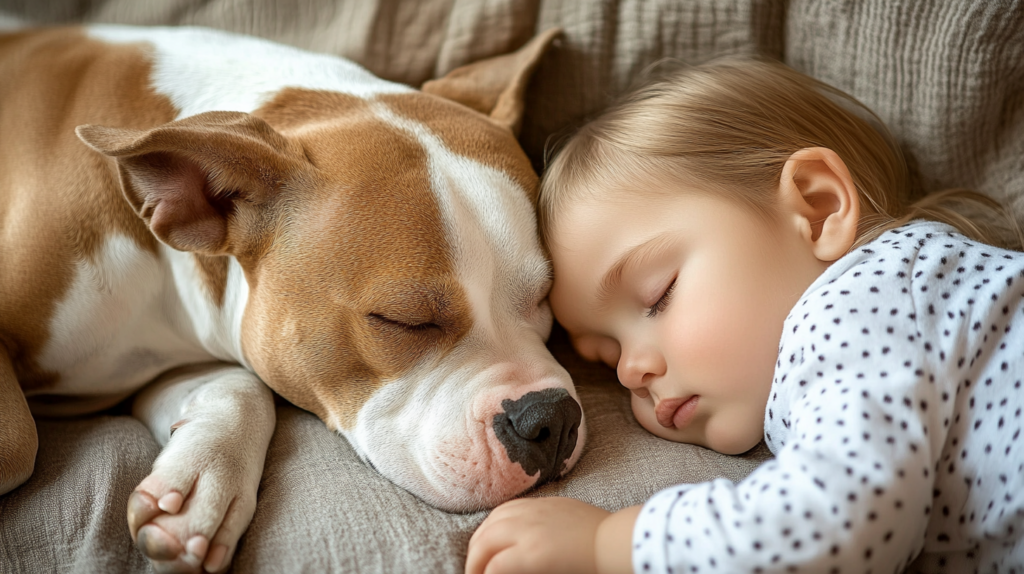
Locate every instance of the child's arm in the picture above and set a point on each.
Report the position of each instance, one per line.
(543, 535)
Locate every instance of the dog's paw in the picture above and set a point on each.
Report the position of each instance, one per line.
(188, 515)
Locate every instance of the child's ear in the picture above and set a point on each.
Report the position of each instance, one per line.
(818, 192)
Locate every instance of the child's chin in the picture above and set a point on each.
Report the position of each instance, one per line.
(733, 444)
(651, 425)
(724, 443)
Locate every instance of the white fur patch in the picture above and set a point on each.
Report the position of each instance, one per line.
(119, 324)
(218, 329)
(204, 70)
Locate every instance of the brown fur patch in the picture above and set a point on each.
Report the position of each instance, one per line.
(294, 110)
(468, 133)
(361, 247)
(58, 198)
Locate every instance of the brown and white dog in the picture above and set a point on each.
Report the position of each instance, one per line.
(195, 213)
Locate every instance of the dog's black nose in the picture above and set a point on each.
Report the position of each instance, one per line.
(539, 431)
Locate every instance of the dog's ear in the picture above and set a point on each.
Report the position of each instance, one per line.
(188, 178)
(496, 86)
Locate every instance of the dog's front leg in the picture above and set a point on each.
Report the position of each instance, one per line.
(215, 422)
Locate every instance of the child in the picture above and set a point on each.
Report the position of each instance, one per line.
(739, 245)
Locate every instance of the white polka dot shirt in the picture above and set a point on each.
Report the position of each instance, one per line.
(895, 420)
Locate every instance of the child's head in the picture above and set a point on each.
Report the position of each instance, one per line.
(686, 221)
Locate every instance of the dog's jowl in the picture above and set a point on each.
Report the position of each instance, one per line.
(201, 218)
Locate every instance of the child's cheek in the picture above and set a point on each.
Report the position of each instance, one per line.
(698, 345)
(643, 410)
(723, 340)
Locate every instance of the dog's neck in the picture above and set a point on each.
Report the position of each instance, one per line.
(213, 295)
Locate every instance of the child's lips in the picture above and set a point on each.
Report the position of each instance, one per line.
(676, 413)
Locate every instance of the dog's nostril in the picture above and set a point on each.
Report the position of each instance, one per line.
(539, 430)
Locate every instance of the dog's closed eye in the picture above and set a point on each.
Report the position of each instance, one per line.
(412, 325)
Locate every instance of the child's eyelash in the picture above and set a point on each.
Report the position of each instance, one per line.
(662, 303)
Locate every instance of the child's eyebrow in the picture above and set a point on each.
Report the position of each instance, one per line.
(610, 282)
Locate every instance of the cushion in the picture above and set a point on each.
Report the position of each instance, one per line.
(71, 515)
(946, 77)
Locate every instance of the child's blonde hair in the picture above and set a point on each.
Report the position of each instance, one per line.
(730, 125)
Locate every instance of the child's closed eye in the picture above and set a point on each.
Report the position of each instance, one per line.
(662, 302)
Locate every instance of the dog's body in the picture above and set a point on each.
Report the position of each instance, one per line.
(248, 211)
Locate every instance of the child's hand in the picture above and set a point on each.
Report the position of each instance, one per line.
(536, 535)
(545, 535)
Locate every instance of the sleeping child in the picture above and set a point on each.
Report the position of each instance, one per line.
(737, 241)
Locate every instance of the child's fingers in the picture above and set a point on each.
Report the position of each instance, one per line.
(483, 550)
(489, 539)
(503, 512)
(480, 530)
(504, 562)
(478, 557)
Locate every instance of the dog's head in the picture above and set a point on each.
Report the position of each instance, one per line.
(396, 283)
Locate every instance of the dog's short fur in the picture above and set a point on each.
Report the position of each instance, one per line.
(195, 214)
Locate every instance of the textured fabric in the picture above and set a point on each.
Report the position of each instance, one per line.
(946, 77)
(71, 515)
(895, 418)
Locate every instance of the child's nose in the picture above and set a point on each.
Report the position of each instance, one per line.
(639, 367)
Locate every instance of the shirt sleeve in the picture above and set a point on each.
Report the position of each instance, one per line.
(851, 486)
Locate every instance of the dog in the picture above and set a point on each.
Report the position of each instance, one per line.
(203, 218)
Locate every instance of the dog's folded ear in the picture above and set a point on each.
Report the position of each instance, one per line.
(496, 86)
(187, 179)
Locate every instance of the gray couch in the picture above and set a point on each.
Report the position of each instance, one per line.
(947, 77)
